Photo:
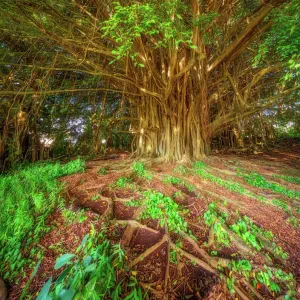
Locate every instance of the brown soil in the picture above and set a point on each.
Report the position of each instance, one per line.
(147, 248)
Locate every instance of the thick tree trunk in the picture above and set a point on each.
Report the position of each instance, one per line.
(176, 134)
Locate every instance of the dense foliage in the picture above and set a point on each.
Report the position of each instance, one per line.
(28, 196)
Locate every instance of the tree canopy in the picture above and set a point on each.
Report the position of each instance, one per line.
(175, 75)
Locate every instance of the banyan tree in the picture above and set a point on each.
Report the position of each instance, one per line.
(189, 69)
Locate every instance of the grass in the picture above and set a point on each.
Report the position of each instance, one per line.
(28, 196)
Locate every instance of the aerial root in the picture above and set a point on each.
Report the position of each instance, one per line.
(199, 250)
(245, 250)
(167, 273)
(128, 233)
(252, 289)
(109, 211)
(149, 251)
(198, 261)
(147, 287)
(135, 224)
(242, 293)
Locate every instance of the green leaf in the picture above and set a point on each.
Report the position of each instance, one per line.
(31, 277)
(90, 268)
(68, 295)
(43, 295)
(63, 260)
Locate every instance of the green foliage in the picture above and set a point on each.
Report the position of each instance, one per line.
(270, 278)
(291, 179)
(242, 230)
(174, 252)
(178, 181)
(136, 291)
(95, 197)
(139, 170)
(213, 218)
(73, 217)
(283, 40)
(102, 171)
(178, 195)
(181, 169)
(123, 182)
(28, 196)
(200, 168)
(242, 267)
(164, 209)
(258, 180)
(230, 284)
(91, 273)
(251, 235)
(162, 20)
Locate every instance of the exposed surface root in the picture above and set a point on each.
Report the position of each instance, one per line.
(189, 263)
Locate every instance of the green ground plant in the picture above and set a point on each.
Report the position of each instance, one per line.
(73, 217)
(291, 179)
(201, 169)
(123, 182)
(139, 170)
(214, 219)
(260, 181)
(180, 182)
(162, 208)
(91, 273)
(28, 196)
(251, 234)
(273, 279)
(102, 171)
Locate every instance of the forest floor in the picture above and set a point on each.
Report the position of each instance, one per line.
(227, 227)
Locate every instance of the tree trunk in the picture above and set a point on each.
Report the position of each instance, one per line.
(176, 131)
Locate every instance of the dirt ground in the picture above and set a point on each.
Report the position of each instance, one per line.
(194, 276)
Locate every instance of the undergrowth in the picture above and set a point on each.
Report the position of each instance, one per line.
(28, 196)
(273, 279)
(255, 237)
(162, 208)
(179, 182)
(140, 170)
(250, 233)
(291, 179)
(254, 179)
(92, 273)
(260, 181)
(200, 168)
